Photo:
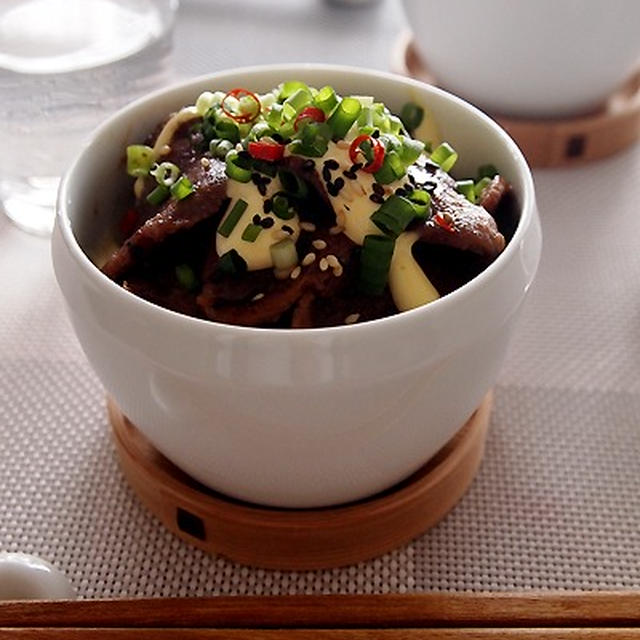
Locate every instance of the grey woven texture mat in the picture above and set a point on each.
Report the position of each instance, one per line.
(556, 504)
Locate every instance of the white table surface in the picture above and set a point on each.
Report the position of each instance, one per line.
(557, 501)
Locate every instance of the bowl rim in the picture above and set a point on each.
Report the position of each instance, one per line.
(527, 206)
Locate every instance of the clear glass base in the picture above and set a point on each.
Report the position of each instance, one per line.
(30, 203)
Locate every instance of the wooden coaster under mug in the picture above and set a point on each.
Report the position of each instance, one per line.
(549, 142)
(300, 539)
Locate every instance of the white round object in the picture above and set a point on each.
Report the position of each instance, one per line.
(27, 577)
(298, 417)
(546, 58)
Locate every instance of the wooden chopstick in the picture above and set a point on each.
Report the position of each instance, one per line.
(61, 633)
(357, 612)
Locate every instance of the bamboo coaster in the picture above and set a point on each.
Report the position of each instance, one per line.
(554, 142)
(298, 539)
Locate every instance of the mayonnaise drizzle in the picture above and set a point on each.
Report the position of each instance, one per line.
(408, 283)
(256, 254)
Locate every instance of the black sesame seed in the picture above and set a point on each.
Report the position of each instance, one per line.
(347, 207)
(374, 197)
(267, 205)
(332, 189)
(375, 134)
(349, 174)
(378, 188)
(400, 192)
(326, 174)
(267, 223)
(356, 166)
(308, 164)
(262, 189)
(287, 229)
(331, 164)
(256, 219)
(339, 183)
(256, 178)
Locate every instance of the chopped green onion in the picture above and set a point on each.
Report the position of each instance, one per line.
(165, 173)
(289, 88)
(326, 99)
(467, 189)
(186, 277)
(158, 195)
(230, 263)
(181, 189)
(411, 116)
(274, 116)
(375, 260)
(251, 232)
(281, 208)
(139, 160)
(343, 116)
(421, 201)
(392, 169)
(234, 170)
(312, 139)
(297, 101)
(227, 130)
(284, 254)
(486, 171)
(395, 125)
(410, 150)
(231, 220)
(445, 156)
(259, 130)
(292, 184)
(481, 185)
(394, 215)
(221, 149)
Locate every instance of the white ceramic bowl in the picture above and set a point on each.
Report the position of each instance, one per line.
(303, 417)
(548, 58)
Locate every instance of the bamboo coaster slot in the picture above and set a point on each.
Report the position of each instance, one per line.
(296, 539)
(553, 142)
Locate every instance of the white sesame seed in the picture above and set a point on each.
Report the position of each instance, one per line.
(334, 231)
(363, 191)
(296, 272)
(258, 296)
(164, 150)
(319, 244)
(352, 318)
(205, 162)
(332, 261)
(324, 265)
(343, 144)
(338, 271)
(308, 259)
(307, 226)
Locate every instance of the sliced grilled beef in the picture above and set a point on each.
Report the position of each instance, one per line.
(455, 222)
(207, 201)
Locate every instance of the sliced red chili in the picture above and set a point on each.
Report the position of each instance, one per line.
(356, 153)
(444, 223)
(264, 150)
(238, 94)
(128, 222)
(309, 113)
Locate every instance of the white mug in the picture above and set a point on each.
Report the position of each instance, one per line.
(548, 58)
